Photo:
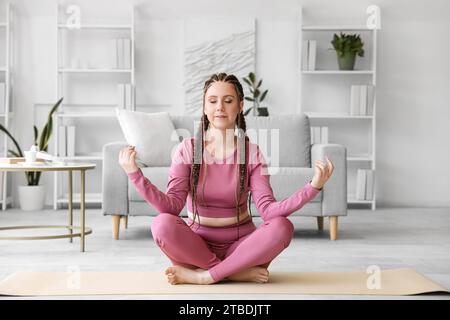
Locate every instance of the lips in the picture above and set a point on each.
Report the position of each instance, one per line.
(220, 117)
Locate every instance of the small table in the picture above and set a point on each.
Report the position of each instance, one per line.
(69, 167)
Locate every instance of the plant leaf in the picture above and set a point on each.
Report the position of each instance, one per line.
(252, 77)
(35, 134)
(263, 95)
(248, 111)
(259, 84)
(247, 82)
(47, 131)
(19, 150)
(12, 152)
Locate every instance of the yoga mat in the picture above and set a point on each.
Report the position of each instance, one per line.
(404, 281)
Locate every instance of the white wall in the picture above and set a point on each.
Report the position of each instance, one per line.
(413, 75)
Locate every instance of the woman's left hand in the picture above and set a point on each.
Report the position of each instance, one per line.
(322, 173)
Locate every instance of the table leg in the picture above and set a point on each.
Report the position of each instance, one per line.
(70, 204)
(82, 226)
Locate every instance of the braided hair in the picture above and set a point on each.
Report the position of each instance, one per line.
(199, 145)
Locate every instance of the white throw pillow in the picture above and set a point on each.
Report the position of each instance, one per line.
(153, 135)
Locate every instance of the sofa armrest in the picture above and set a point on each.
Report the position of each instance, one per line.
(114, 181)
(334, 202)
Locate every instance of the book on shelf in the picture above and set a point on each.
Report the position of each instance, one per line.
(361, 100)
(305, 55)
(369, 184)
(127, 53)
(365, 179)
(62, 141)
(319, 134)
(309, 48)
(124, 96)
(123, 53)
(360, 184)
(2, 97)
(66, 141)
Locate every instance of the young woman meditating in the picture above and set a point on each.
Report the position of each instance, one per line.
(214, 172)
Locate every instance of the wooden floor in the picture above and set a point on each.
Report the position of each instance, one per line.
(389, 238)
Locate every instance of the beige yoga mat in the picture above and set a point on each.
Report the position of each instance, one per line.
(403, 281)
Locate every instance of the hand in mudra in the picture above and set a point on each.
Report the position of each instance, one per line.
(322, 172)
(127, 160)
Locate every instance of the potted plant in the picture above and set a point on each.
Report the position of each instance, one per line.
(32, 196)
(257, 97)
(347, 46)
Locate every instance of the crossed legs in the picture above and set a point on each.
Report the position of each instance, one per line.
(194, 262)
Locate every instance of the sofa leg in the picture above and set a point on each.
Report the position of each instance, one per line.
(116, 226)
(320, 223)
(333, 227)
(125, 221)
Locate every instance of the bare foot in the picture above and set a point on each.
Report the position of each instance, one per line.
(254, 274)
(179, 274)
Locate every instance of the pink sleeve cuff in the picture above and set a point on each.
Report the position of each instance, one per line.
(314, 189)
(135, 174)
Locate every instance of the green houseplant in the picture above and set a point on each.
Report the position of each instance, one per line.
(256, 96)
(347, 46)
(32, 196)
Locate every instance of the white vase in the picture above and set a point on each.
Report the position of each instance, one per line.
(31, 197)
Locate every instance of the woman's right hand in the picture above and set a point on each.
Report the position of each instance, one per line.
(127, 159)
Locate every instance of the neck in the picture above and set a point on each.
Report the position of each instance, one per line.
(221, 137)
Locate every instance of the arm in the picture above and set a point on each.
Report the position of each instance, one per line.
(174, 199)
(262, 193)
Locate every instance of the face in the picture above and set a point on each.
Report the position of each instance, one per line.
(222, 105)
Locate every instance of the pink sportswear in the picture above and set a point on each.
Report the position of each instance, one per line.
(217, 249)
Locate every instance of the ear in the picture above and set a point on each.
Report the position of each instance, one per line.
(241, 106)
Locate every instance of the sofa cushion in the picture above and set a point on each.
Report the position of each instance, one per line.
(289, 179)
(294, 140)
(294, 136)
(152, 134)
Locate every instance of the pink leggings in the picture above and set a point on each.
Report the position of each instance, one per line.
(216, 249)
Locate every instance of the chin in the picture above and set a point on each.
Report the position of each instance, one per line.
(222, 125)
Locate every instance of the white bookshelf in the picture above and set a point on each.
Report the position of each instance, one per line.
(68, 110)
(338, 119)
(5, 74)
(100, 26)
(92, 70)
(356, 72)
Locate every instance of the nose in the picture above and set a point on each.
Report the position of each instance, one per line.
(219, 106)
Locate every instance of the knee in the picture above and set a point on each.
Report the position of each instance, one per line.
(283, 229)
(164, 225)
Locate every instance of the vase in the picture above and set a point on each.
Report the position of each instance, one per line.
(263, 112)
(347, 61)
(31, 198)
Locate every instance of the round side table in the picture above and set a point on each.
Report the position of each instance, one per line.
(82, 230)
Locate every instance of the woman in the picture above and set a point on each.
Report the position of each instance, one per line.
(221, 241)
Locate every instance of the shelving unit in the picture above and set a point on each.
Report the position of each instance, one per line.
(68, 110)
(5, 75)
(366, 75)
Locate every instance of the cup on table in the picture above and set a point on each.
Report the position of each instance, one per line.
(30, 156)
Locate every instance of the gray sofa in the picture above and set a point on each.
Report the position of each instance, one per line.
(296, 154)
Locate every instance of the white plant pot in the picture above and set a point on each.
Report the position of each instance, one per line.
(31, 197)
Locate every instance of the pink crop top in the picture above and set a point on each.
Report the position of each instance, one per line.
(218, 198)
